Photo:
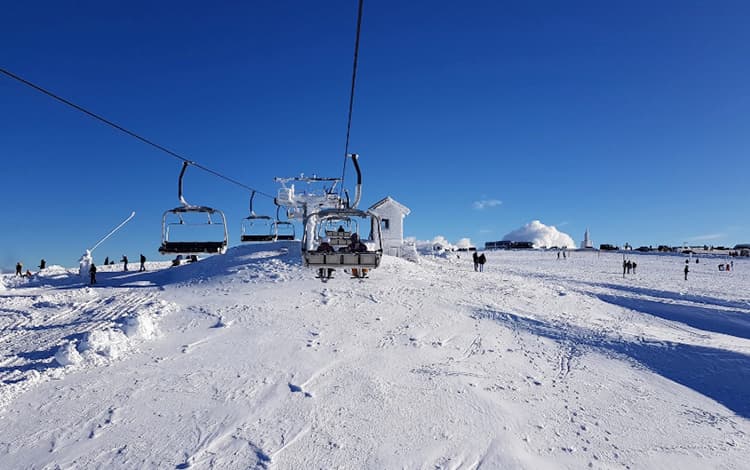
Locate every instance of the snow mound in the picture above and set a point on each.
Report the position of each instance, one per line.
(68, 355)
(542, 236)
(109, 343)
(140, 326)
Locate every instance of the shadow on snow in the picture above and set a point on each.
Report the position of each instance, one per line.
(709, 319)
(719, 374)
(671, 295)
(235, 259)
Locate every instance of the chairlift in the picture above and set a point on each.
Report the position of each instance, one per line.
(284, 229)
(299, 203)
(188, 215)
(337, 226)
(320, 225)
(257, 228)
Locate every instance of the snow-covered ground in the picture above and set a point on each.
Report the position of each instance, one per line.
(246, 361)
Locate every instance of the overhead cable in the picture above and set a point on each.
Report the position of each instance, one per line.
(128, 132)
(351, 94)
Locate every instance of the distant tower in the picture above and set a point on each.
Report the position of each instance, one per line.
(587, 243)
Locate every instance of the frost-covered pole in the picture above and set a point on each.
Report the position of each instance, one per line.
(84, 264)
(132, 214)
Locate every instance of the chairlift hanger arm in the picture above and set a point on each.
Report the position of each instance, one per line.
(252, 196)
(185, 164)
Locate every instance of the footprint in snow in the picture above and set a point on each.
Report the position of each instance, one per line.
(296, 388)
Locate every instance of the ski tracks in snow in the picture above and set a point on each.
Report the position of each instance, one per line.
(45, 322)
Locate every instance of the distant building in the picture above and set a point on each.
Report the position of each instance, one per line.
(392, 214)
(498, 245)
(587, 244)
(507, 245)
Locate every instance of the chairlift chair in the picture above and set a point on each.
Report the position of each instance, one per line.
(257, 228)
(178, 217)
(284, 229)
(319, 226)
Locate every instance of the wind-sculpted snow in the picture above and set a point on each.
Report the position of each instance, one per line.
(245, 360)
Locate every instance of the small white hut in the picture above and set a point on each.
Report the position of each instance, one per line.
(391, 215)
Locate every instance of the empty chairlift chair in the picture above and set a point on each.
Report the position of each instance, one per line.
(257, 228)
(181, 224)
(284, 229)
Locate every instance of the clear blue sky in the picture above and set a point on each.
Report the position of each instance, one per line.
(630, 118)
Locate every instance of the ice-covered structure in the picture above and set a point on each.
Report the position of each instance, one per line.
(587, 244)
(541, 236)
(392, 214)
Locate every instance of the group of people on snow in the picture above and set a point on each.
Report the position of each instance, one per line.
(627, 266)
(28, 273)
(479, 261)
(91, 268)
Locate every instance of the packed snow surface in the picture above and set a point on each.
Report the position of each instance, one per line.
(245, 360)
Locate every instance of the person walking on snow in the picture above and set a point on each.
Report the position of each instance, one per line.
(143, 263)
(482, 259)
(92, 272)
(125, 261)
(19, 269)
(476, 261)
(42, 264)
(687, 269)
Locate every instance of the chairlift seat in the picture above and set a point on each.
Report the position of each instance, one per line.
(355, 260)
(257, 238)
(192, 247)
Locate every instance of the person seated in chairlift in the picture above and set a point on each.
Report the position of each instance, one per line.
(356, 246)
(325, 247)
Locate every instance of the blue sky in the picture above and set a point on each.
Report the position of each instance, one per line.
(630, 118)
